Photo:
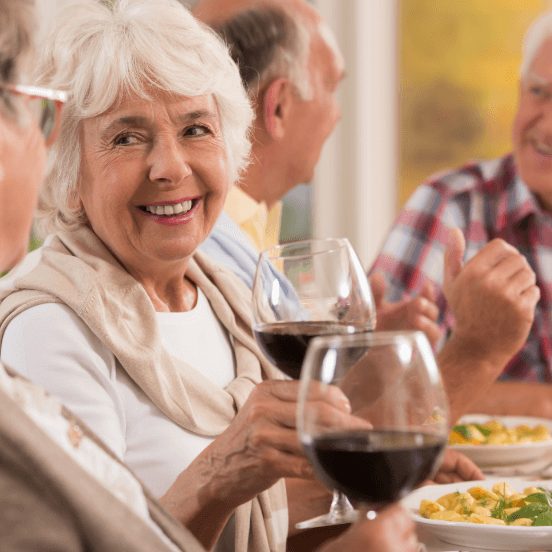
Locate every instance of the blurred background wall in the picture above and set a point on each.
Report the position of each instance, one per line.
(354, 190)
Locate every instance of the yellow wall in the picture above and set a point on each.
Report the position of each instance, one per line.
(458, 67)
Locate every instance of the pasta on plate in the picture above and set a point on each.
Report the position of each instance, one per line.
(494, 432)
(499, 505)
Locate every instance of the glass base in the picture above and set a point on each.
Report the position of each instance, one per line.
(327, 520)
(341, 511)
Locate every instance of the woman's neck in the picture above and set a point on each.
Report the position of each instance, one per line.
(169, 292)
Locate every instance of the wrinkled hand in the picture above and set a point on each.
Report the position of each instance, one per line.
(261, 445)
(391, 531)
(411, 313)
(493, 298)
(456, 467)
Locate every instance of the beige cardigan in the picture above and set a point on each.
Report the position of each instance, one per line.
(76, 269)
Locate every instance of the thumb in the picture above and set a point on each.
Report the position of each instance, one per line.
(428, 291)
(377, 284)
(454, 255)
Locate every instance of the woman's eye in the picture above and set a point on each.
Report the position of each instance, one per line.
(125, 140)
(196, 130)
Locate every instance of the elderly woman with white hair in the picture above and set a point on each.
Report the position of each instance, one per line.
(119, 316)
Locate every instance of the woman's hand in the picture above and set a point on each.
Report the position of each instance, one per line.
(259, 447)
(391, 531)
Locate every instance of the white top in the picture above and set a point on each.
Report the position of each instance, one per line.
(50, 345)
(45, 411)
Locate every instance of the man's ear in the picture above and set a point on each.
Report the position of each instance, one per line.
(276, 105)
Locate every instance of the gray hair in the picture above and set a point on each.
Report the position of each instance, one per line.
(538, 32)
(16, 30)
(99, 51)
(266, 42)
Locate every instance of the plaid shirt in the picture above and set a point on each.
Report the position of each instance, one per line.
(485, 200)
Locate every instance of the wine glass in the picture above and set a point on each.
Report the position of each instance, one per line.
(306, 289)
(396, 432)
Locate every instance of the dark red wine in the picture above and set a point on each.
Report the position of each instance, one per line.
(285, 343)
(375, 467)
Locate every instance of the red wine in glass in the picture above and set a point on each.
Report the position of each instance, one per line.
(285, 343)
(375, 467)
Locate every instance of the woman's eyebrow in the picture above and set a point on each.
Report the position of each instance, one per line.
(129, 120)
(140, 121)
(197, 114)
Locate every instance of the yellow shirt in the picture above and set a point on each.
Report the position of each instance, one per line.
(259, 223)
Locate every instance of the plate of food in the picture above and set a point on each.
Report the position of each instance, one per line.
(501, 440)
(493, 514)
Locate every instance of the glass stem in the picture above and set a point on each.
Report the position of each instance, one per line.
(341, 508)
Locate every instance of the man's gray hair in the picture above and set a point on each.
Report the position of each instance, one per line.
(267, 42)
(16, 40)
(539, 31)
(100, 51)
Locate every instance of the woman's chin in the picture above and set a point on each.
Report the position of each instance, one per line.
(174, 253)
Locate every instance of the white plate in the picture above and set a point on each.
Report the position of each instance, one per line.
(473, 535)
(503, 455)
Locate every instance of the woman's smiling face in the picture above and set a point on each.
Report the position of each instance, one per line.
(153, 178)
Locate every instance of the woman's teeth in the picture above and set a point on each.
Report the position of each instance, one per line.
(168, 210)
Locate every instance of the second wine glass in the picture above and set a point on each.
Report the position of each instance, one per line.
(306, 289)
(398, 423)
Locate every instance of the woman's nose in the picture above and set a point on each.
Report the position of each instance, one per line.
(168, 162)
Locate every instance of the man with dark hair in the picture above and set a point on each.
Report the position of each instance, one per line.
(292, 67)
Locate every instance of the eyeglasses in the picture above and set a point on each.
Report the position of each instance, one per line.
(45, 105)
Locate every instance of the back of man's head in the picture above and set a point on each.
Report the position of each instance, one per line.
(266, 40)
(267, 43)
(291, 66)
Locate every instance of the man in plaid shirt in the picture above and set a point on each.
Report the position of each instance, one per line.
(508, 198)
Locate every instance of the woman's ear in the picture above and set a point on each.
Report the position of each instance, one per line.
(276, 106)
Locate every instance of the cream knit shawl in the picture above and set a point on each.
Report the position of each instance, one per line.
(76, 269)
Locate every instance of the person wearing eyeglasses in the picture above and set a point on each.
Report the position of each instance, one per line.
(23, 149)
